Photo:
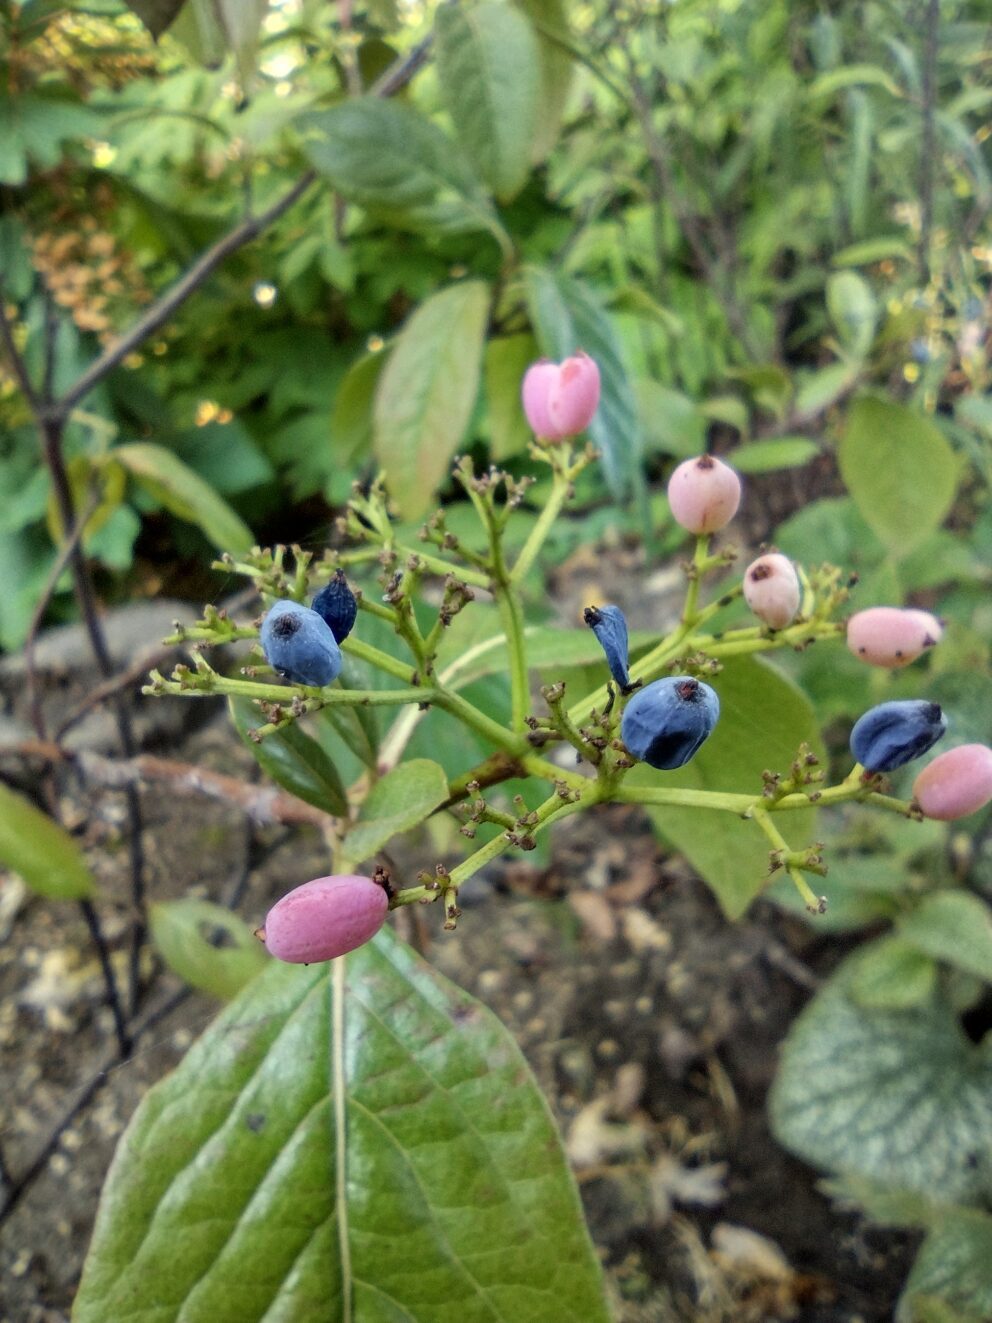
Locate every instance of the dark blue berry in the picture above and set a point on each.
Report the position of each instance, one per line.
(610, 628)
(892, 734)
(665, 723)
(299, 645)
(337, 605)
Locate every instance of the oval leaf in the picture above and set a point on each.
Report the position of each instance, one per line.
(550, 20)
(426, 394)
(954, 926)
(402, 800)
(360, 1142)
(853, 311)
(293, 760)
(40, 851)
(489, 72)
(183, 492)
(953, 1267)
(899, 468)
(779, 452)
(507, 359)
(210, 948)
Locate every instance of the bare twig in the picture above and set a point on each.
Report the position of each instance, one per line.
(109, 978)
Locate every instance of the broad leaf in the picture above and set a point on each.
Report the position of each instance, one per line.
(898, 1097)
(670, 421)
(853, 311)
(507, 359)
(891, 974)
(36, 126)
(40, 851)
(954, 1267)
(185, 494)
(155, 14)
(210, 948)
(899, 468)
(351, 418)
(402, 800)
(293, 760)
(566, 317)
(763, 720)
(550, 19)
(779, 452)
(426, 394)
(954, 926)
(489, 71)
(359, 1142)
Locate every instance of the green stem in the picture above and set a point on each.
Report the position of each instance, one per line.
(376, 657)
(781, 845)
(513, 626)
(538, 535)
(438, 565)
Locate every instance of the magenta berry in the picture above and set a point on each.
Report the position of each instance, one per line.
(324, 918)
(704, 494)
(561, 399)
(771, 589)
(956, 783)
(892, 635)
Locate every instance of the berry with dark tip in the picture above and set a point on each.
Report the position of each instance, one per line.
(324, 918)
(610, 627)
(892, 635)
(299, 645)
(665, 723)
(704, 494)
(893, 734)
(337, 605)
(956, 783)
(771, 589)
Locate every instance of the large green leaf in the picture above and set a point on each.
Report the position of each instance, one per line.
(507, 359)
(566, 317)
(550, 19)
(395, 163)
(425, 396)
(185, 494)
(489, 69)
(351, 417)
(853, 311)
(210, 948)
(293, 760)
(900, 1097)
(954, 1266)
(40, 851)
(403, 799)
(763, 720)
(899, 468)
(155, 14)
(359, 1142)
(955, 926)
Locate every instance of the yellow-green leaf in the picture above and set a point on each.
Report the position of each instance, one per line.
(40, 851)
(185, 494)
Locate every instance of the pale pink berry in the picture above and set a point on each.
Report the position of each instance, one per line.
(704, 494)
(892, 635)
(324, 918)
(771, 589)
(956, 783)
(561, 399)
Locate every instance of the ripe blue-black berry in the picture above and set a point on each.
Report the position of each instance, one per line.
(665, 723)
(299, 645)
(892, 734)
(610, 628)
(337, 606)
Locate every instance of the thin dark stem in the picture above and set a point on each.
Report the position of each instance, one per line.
(928, 136)
(17, 364)
(109, 978)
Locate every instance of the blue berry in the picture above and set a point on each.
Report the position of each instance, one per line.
(610, 628)
(892, 734)
(665, 723)
(299, 645)
(337, 606)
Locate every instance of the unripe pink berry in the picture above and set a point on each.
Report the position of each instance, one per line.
(561, 399)
(324, 918)
(771, 589)
(956, 783)
(892, 635)
(704, 494)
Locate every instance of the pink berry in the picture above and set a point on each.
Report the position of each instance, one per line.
(892, 635)
(560, 400)
(956, 783)
(324, 918)
(771, 589)
(704, 494)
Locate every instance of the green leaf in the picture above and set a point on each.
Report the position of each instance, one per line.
(489, 70)
(351, 419)
(900, 470)
(210, 948)
(550, 19)
(671, 422)
(853, 311)
(954, 926)
(361, 1141)
(402, 800)
(818, 390)
(396, 164)
(763, 720)
(185, 494)
(507, 359)
(870, 251)
(898, 1097)
(293, 760)
(36, 126)
(779, 452)
(199, 29)
(853, 75)
(891, 974)
(567, 317)
(40, 851)
(156, 15)
(954, 1267)
(427, 392)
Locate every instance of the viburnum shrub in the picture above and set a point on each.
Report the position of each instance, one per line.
(360, 1131)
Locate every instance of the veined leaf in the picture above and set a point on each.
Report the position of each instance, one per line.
(40, 851)
(351, 418)
(185, 933)
(507, 359)
(402, 800)
(359, 1141)
(550, 19)
(955, 926)
(185, 494)
(954, 1268)
(293, 759)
